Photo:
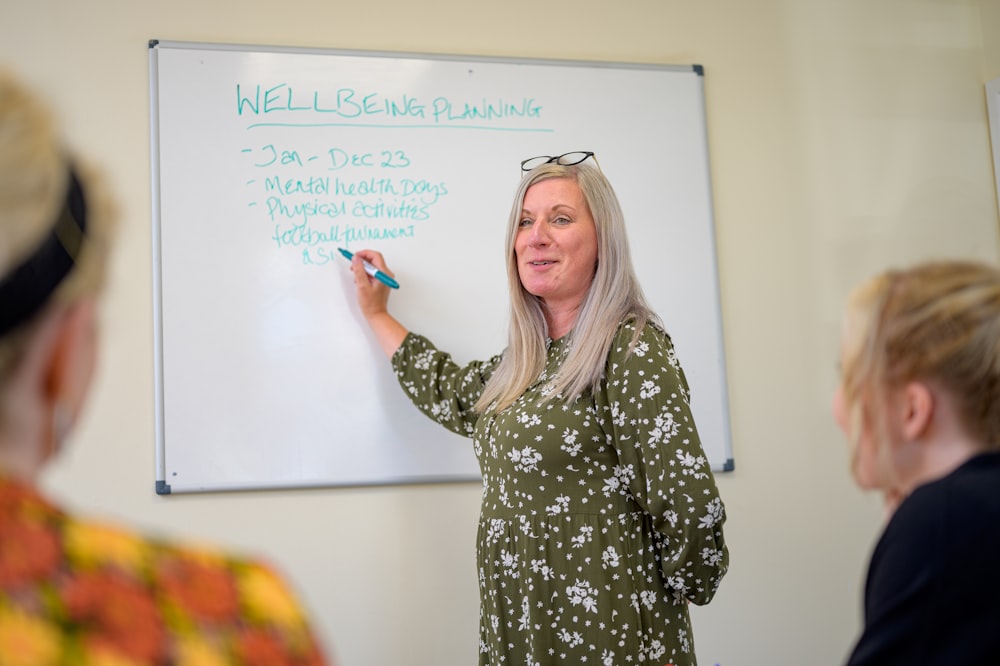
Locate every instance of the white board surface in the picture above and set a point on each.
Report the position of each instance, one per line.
(266, 160)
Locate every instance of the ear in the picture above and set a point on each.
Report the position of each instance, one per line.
(916, 410)
(70, 362)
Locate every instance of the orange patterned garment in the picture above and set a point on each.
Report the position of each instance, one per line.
(74, 592)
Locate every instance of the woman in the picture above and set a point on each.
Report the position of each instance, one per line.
(919, 396)
(71, 590)
(600, 517)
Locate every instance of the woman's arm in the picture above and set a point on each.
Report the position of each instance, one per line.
(437, 386)
(373, 299)
(663, 463)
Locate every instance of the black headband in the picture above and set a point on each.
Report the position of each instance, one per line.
(28, 287)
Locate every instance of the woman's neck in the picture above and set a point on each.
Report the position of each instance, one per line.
(17, 463)
(931, 438)
(560, 321)
(937, 461)
(22, 448)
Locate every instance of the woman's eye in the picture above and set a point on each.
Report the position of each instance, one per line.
(524, 223)
(561, 220)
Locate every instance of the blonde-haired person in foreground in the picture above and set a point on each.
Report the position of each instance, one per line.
(920, 402)
(73, 591)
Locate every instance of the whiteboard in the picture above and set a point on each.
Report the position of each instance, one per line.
(266, 160)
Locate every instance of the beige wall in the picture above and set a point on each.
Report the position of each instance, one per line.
(990, 19)
(845, 135)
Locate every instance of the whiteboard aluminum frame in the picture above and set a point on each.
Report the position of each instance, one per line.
(993, 111)
(162, 484)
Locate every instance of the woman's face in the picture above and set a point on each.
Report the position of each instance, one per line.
(856, 422)
(556, 243)
(864, 450)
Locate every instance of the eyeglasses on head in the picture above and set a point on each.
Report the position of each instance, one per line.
(566, 159)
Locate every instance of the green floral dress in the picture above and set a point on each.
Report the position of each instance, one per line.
(80, 592)
(600, 519)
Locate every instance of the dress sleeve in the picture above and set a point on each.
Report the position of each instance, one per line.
(439, 387)
(662, 463)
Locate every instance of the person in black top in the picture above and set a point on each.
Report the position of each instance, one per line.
(919, 400)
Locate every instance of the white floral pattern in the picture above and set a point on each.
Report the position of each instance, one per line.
(600, 519)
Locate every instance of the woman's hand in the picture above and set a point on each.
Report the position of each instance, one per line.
(373, 296)
(373, 300)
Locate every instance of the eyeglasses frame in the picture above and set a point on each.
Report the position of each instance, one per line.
(558, 159)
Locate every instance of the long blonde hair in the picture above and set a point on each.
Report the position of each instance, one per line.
(35, 176)
(614, 295)
(935, 322)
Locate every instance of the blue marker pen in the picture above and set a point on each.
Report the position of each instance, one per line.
(371, 270)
